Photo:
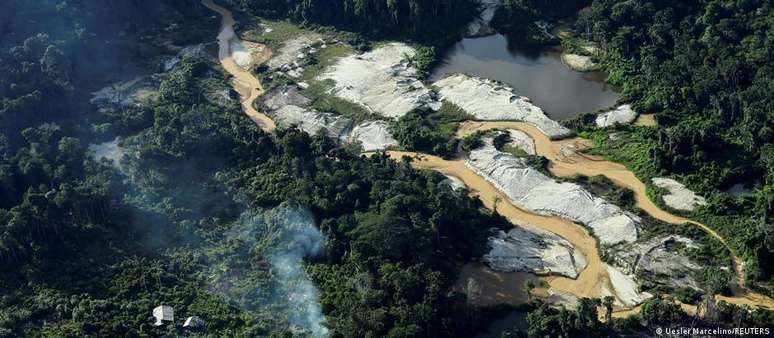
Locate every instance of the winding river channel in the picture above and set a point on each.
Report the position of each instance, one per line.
(594, 277)
(245, 83)
(576, 163)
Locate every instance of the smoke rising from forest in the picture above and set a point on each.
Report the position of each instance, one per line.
(280, 239)
(300, 292)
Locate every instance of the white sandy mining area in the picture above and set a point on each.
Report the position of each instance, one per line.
(679, 196)
(291, 57)
(657, 259)
(243, 51)
(489, 100)
(579, 63)
(521, 140)
(288, 107)
(589, 282)
(383, 81)
(373, 135)
(532, 190)
(527, 248)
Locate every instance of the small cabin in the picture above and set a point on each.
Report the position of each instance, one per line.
(193, 322)
(163, 314)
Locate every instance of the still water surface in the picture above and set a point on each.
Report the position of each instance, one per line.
(537, 73)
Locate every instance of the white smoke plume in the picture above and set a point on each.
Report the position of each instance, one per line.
(299, 238)
(278, 287)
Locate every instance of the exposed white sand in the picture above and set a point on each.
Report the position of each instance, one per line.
(581, 63)
(529, 249)
(521, 140)
(373, 135)
(658, 261)
(289, 107)
(622, 114)
(292, 56)
(241, 55)
(312, 121)
(624, 288)
(489, 100)
(532, 190)
(455, 183)
(382, 80)
(679, 197)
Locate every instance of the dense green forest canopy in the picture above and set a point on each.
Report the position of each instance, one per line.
(198, 211)
(703, 67)
(516, 17)
(430, 21)
(54, 53)
(87, 249)
(193, 170)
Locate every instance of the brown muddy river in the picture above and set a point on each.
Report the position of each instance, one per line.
(562, 93)
(535, 73)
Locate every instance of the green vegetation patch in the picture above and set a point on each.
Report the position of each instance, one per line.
(273, 32)
(706, 79)
(501, 142)
(325, 58)
(431, 131)
(323, 101)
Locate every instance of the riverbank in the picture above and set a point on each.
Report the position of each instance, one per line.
(568, 164)
(247, 85)
(595, 277)
(537, 72)
(589, 282)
